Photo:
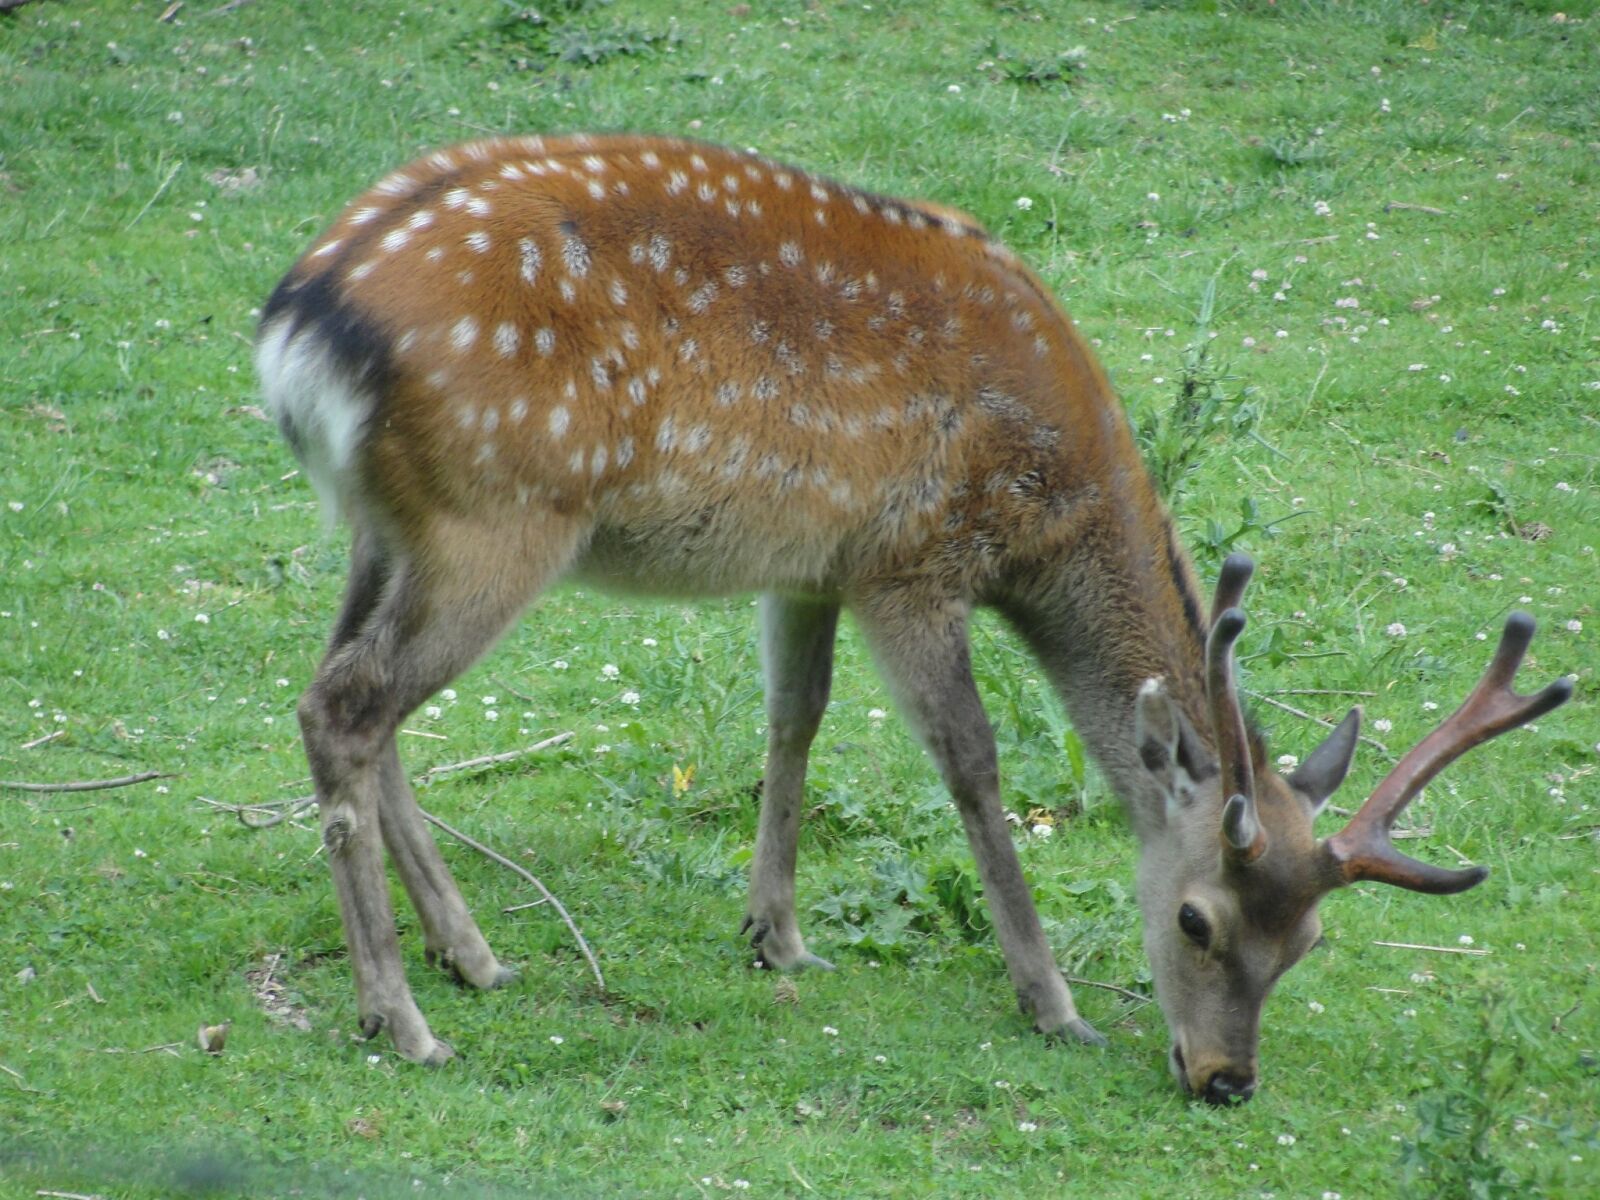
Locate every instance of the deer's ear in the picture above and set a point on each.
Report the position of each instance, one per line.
(1168, 749)
(1325, 767)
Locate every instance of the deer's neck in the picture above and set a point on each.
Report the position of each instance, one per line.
(1118, 608)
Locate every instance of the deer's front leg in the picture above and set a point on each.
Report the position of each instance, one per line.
(921, 647)
(797, 660)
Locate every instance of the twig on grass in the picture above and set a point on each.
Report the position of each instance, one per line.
(69, 1195)
(40, 741)
(1301, 713)
(86, 785)
(490, 760)
(496, 856)
(1434, 949)
(1401, 206)
(1126, 993)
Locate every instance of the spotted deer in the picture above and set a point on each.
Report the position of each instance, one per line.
(667, 366)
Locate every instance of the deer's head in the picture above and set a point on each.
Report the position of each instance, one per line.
(1230, 883)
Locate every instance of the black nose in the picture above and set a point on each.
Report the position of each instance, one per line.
(1223, 1088)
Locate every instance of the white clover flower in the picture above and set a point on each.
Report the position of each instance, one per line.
(556, 1039)
(1041, 830)
(560, 664)
(1465, 939)
(1383, 725)
(630, 698)
(876, 714)
(433, 712)
(449, 694)
(490, 714)
(1027, 1127)
(830, 1031)
(648, 642)
(1024, 203)
(1288, 762)
(1316, 1007)
(490, 701)
(1286, 1139)
(610, 671)
(1395, 630)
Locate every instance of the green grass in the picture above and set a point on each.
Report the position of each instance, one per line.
(1396, 204)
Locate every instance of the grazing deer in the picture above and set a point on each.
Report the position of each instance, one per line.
(667, 366)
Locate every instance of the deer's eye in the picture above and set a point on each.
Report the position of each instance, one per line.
(1195, 927)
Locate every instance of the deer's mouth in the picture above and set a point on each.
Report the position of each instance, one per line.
(1179, 1067)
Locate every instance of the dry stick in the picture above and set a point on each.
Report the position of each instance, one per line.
(49, 737)
(1289, 708)
(1110, 987)
(1315, 692)
(489, 760)
(495, 856)
(1435, 949)
(68, 1195)
(87, 785)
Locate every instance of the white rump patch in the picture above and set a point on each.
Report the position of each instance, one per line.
(306, 390)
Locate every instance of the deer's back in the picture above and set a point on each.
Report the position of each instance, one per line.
(738, 374)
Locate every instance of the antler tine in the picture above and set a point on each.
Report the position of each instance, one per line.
(1231, 582)
(1362, 849)
(1243, 838)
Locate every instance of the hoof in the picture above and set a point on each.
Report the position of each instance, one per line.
(1081, 1031)
(767, 959)
(446, 960)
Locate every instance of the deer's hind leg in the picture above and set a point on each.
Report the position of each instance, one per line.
(416, 615)
(797, 659)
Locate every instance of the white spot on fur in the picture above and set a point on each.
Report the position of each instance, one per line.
(666, 435)
(706, 192)
(736, 276)
(784, 180)
(518, 410)
(651, 159)
(676, 183)
(789, 254)
(630, 335)
(506, 339)
(478, 241)
(544, 341)
(727, 393)
(491, 419)
(636, 391)
(700, 299)
(463, 333)
(597, 461)
(575, 255)
(531, 258)
(624, 452)
(660, 252)
(697, 162)
(436, 254)
(696, 439)
(479, 207)
(395, 239)
(619, 292)
(597, 190)
(324, 251)
(560, 419)
(396, 184)
(457, 197)
(568, 292)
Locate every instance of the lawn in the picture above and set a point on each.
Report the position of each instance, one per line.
(1364, 232)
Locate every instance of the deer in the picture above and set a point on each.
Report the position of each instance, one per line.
(670, 367)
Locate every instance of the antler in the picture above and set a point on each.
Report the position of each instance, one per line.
(1362, 849)
(1243, 838)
